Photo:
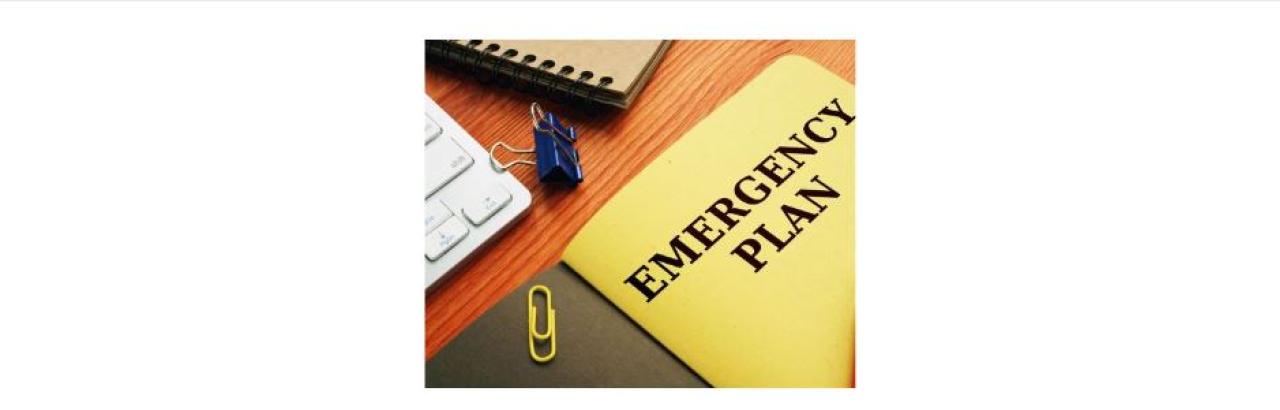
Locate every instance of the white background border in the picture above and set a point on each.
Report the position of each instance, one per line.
(1061, 205)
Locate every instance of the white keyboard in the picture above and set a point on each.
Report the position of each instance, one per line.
(468, 202)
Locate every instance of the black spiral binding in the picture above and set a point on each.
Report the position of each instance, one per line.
(493, 61)
(496, 66)
(471, 45)
(475, 58)
(573, 90)
(500, 60)
(526, 85)
(591, 91)
(542, 71)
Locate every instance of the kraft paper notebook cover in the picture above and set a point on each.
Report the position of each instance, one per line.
(660, 252)
(605, 71)
(597, 345)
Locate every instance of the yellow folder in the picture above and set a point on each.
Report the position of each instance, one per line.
(735, 247)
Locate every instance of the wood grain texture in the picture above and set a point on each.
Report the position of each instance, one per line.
(692, 80)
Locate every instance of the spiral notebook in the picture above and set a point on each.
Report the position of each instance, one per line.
(608, 72)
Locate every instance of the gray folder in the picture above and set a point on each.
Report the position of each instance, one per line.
(597, 345)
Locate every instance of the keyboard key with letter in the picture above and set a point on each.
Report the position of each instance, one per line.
(449, 233)
(480, 208)
(445, 160)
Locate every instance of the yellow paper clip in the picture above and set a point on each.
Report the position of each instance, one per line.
(550, 334)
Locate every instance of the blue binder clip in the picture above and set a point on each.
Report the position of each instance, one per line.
(557, 159)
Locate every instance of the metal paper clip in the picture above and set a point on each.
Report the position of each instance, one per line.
(550, 334)
(493, 160)
(557, 159)
(552, 124)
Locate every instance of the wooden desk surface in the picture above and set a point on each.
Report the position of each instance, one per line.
(691, 81)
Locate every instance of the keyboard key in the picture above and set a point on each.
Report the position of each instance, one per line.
(436, 214)
(445, 237)
(479, 208)
(433, 129)
(445, 160)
